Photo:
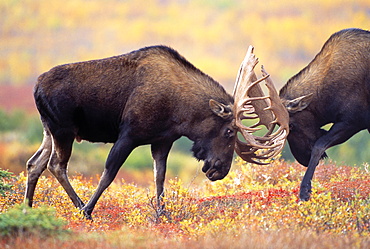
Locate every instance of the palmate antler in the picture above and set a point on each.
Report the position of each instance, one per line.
(251, 103)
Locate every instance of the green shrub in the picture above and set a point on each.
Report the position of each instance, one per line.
(11, 121)
(22, 220)
(4, 187)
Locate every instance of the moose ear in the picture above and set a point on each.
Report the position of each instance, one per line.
(224, 111)
(299, 104)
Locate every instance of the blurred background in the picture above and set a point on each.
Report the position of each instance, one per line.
(36, 35)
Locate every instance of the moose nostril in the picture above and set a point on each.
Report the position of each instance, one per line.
(218, 164)
(206, 167)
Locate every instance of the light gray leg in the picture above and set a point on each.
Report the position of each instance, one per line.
(36, 166)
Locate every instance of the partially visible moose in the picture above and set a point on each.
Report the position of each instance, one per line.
(149, 96)
(333, 88)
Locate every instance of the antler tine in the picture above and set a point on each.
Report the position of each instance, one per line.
(251, 103)
(281, 114)
(241, 69)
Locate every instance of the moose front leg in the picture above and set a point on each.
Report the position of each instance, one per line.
(305, 190)
(160, 154)
(338, 133)
(117, 156)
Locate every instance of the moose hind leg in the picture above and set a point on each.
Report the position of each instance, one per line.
(36, 165)
(61, 152)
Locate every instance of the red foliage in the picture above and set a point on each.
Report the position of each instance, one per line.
(348, 189)
(17, 97)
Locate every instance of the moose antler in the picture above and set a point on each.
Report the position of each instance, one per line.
(251, 103)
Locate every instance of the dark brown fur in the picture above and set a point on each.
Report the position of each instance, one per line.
(336, 84)
(149, 96)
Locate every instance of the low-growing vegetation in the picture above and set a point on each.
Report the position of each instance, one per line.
(22, 221)
(254, 206)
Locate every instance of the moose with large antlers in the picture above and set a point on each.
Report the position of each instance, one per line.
(151, 96)
(333, 88)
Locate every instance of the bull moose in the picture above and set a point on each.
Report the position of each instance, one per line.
(149, 96)
(333, 88)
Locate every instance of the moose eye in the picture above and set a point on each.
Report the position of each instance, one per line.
(229, 133)
(291, 127)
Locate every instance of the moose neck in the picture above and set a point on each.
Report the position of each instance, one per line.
(311, 79)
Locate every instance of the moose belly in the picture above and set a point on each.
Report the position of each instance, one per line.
(96, 126)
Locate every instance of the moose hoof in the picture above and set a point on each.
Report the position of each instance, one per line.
(304, 194)
(86, 215)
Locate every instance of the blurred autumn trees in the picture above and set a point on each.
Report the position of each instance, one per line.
(214, 35)
(36, 35)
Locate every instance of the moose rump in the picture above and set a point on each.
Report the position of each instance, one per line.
(149, 96)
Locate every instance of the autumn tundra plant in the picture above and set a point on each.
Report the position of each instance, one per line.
(258, 200)
(4, 178)
(23, 221)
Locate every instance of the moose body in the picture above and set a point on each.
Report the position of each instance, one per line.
(149, 96)
(333, 88)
